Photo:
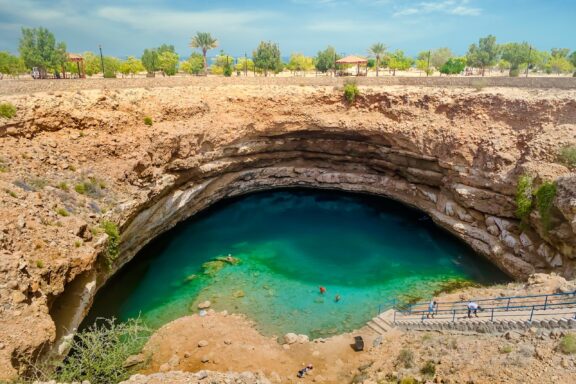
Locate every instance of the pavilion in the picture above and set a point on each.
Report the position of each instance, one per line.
(354, 60)
(79, 60)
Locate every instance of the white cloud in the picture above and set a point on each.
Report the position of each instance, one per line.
(452, 7)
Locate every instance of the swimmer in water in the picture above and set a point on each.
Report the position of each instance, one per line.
(322, 290)
(337, 298)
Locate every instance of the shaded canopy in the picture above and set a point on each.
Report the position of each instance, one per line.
(75, 57)
(352, 60)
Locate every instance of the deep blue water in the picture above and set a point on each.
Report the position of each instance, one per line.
(365, 249)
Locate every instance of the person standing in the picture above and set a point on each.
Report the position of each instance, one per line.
(431, 309)
(473, 307)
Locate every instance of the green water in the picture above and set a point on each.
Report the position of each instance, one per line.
(290, 242)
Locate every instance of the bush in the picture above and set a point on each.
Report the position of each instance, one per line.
(505, 348)
(568, 344)
(351, 91)
(109, 74)
(514, 72)
(148, 121)
(7, 110)
(92, 187)
(111, 229)
(406, 358)
(62, 212)
(408, 380)
(429, 368)
(63, 186)
(524, 201)
(545, 196)
(567, 156)
(97, 354)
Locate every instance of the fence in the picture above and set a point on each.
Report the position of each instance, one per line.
(511, 308)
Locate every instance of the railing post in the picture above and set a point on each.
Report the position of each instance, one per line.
(508, 305)
(546, 302)
(531, 314)
(453, 315)
(492, 315)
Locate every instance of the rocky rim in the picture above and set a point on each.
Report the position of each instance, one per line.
(71, 161)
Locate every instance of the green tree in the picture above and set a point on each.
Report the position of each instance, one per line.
(168, 62)
(560, 52)
(326, 60)
(150, 60)
(131, 66)
(38, 48)
(205, 42)
(267, 57)
(194, 65)
(558, 65)
(111, 66)
(516, 54)
(485, 54)
(377, 50)
(453, 66)
(438, 57)
(11, 65)
(92, 63)
(398, 61)
(223, 64)
(300, 63)
(244, 64)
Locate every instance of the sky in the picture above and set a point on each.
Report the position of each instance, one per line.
(127, 27)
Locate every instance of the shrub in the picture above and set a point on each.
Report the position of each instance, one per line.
(98, 354)
(62, 212)
(39, 264)
(406, 358)
(505, 348)
(7, 110)
(63, 186)
(92, 187)
(351, 91)
(3, 166)
(111, 229)
(148, 121)
(544, 198)
(567, 156)
(568, 344)
(408, 380)
(80, 188)
(524, 201)
(11, 193)
(429, 368)
(514, 72)
(108, 74)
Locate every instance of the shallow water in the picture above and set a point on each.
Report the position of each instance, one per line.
(365, 249)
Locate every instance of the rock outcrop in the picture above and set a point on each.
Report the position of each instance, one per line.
(71, 161)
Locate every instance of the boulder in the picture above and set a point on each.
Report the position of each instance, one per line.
(290, 338)
(204, 305)
(202, 344)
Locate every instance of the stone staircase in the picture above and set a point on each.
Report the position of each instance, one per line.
(486, 322)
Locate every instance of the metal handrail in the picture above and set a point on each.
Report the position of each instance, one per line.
(512, 303)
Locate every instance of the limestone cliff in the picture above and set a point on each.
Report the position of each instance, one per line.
(72, 160)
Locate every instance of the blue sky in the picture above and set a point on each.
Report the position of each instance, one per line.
(126, 27)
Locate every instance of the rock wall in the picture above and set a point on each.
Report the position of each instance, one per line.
(72, 160)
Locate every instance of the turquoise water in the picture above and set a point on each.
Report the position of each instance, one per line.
(289, 243)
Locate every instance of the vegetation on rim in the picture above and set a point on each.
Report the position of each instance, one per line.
(544, 199)
(7, 110)
(98, 354)
(524, 200)
(351, 91)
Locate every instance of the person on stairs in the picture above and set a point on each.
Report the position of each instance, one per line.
(473, 307)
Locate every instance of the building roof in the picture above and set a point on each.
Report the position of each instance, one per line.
(352, 60)
(74, 57)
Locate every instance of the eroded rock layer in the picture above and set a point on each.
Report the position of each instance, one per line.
(73, 161)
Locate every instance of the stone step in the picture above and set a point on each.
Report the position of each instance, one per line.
(382, 324)
(376, 328)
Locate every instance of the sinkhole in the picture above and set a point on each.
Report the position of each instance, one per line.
(285, 245)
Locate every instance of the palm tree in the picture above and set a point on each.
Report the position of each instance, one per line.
(377, 50)
(205, 42)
